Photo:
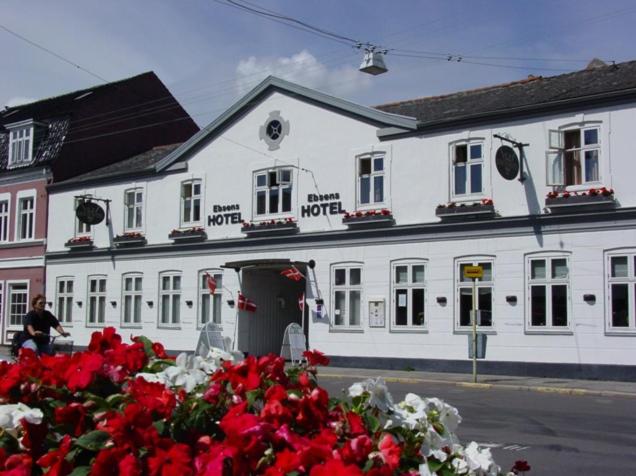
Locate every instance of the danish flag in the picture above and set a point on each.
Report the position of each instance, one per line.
(245, 304)
(301, 302)
(211, 282)
(292, 273)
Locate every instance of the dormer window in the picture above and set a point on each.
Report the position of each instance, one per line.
(20, 143)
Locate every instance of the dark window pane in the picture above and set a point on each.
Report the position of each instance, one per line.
(365, 166)
(590, 136)
(260, 203)
(273, 180)
(339, 307)
(340, 276)
(261, 180)
(273, 201)
(559, 305)
(418, 307)
(465, 306)
(287, 199)
(354, 276)
(461, 154)
(365, 189)
(620, 305)
(378, 189)
(484, 297)
(401, 307)
(475, 151)
(475, 178)
(537, 306)
(378, 164)
(460, 180)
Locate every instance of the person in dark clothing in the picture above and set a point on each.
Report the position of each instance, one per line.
(37, 327)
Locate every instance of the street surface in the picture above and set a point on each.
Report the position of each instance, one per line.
(557, 434)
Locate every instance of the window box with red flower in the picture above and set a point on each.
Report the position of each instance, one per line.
(593, 199)
(485, 208)
(368, 218)
(131, 238)
(283, 226)
(188, 234)
(79, 242)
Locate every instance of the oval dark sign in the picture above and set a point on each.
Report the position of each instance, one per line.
(507, 162)
(90, 213)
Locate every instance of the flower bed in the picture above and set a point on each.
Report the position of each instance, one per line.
(128, 409)
(482, 209)
(288, 225)
(130, 239)
(382, 217)
(570, 201)
(79, 242)
(188, 234)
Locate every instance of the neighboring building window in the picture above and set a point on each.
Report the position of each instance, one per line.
(131, 299)
(96, 300)
(133, 209)
(273, 192)
(468, 166)
(548, 281)
(64, 300)
(409, 292)
(346, 295)
(169, 298)
(20, 145)
(18, 298)
(81, 228)
(464, 295)
(190, 202)
(371, 174)
(210, 303)
(26, 218)
(574, 156)
(4, 220)
(622, 291)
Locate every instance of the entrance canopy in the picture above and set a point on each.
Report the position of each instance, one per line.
(281, 263)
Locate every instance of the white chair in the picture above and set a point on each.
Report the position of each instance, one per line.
(209, 337)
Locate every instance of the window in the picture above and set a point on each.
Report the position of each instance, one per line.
(409, 293)
(26, 218)
(64, 300)
(548, 288)
(468, 164)
(574, 156)
(464, 295)
(18, 303)
(131, 299)
(81, 228)
(210, 304)
(273, 192)
(133, 209)
(621, 275)
(370, 180)
(4, 220)
(169, 298)
(190, 202)
(346, 295)
(20, 145)
(96, 300)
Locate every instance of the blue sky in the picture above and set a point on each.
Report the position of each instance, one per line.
(209, 53)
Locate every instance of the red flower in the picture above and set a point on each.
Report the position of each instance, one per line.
(390, 451)
(120, 458)
(82, 370)
(171, 461)
(133, 428)
(356, 450)
(356, 424)
(102, 341)
(15, 465)
(55, 460)
(315, 357)
(335, 467)
(159, 350)
(155, 397)
(520, 466)
(73, 416)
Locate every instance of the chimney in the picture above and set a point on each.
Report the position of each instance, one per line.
(596, 64)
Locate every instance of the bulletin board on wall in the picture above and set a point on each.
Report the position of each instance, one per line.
(377, 312)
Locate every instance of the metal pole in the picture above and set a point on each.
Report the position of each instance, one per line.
(474, 330)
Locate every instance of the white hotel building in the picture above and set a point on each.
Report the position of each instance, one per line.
(385, 289)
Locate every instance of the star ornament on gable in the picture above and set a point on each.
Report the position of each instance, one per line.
(245, 304)
(292, 273)
(211, 283)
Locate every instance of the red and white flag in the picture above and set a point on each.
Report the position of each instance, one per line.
(301, 302)
(211, 282)
(292, 273)
(245, 304)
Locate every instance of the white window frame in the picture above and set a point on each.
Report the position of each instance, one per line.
(194, 200)
(204, 295)
(5, 215)
(473, 261)
(81, 229)
(348, 289)
(371, 176)
(468, 165)
(173, 294)
(134, 210)
(555, 156)
(21, 138)
(64, 300)
(630, 282)
(548, 282)
(409, 286)
(279, 186)
(25, 214)
(132, 295)
(22, 312)
(96, 301)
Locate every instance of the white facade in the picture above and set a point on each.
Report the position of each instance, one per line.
(410, 267)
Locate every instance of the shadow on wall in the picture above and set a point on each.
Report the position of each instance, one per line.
(534, 206)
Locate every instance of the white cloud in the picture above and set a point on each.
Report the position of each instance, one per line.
(302, 68)
(19, 100)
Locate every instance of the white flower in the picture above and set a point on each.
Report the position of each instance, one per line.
(480, 460)
(12, 415)
(356, 390)
(379, 396)
(424, 471)
(153, 378)
(460, 466)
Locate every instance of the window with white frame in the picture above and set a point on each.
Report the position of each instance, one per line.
(20, 145)
(210, 302)
(621, 283)
(548, 288)
(133, 209)
(132, 287)
(409, 294)
(346, 295)
(4, 220)
(18, 299)
(64, 300)
(574, 156)
(273, 192)
(81, 228)
(467, 169)
(169, 298)
(464, 294)
(96, 300)
(26, 218)
(190, 202)
(371, 180)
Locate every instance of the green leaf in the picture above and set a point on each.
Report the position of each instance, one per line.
(115, 400)
(94, 441)
(160, 426)
(81, 471)
(147, 346)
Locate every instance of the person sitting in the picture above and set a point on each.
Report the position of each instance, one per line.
(37, 327)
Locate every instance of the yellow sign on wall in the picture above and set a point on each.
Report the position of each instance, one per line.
(473, 272)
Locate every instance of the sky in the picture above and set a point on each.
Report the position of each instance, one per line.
(210, 53)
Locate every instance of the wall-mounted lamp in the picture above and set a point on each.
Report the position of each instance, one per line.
(79, 303)
(230, 302)
(320, 301)
(311, 263)
(49, 303)
(189, 303)
(441, 300)
(113, 303)
(150, 303)
(511, 299)
(589, 298)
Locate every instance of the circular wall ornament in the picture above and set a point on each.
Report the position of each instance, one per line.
(507, 162)
(90, 213)
(274, 130)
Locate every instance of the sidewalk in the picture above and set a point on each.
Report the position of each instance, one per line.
(501, 382)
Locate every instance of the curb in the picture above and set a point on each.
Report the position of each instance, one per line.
(492, 386)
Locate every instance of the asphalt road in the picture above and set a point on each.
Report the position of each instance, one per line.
(557, 434)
